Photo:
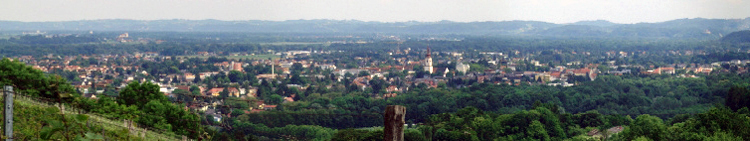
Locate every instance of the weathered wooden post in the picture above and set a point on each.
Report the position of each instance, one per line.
(394, 122)
(8, 113)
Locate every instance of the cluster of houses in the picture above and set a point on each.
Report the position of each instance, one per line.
(503, 72)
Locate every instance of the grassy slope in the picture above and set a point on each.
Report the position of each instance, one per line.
(29, 117)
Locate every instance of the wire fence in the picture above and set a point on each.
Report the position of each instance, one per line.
(135, 129)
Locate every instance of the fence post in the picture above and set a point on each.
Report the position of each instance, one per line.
(394, 122)
(8, 113)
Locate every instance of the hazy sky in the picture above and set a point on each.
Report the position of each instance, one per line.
(556, 11)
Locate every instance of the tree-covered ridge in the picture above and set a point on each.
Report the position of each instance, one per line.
(737, 37)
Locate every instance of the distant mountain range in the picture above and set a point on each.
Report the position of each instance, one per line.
(681, 28)
(601, 23)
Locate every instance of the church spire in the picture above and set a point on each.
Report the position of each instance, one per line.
(428, 51)
(428, 61)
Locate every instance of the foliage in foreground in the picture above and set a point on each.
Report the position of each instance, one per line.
(142, 103)
(542, 124)
(33, 122)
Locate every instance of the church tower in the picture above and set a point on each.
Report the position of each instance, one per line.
(428, 61)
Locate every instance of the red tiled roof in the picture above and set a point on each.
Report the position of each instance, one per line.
(583, 70)
(182, 87)
(233, 89)
(215, 90)
(290, 99)
(556, 74)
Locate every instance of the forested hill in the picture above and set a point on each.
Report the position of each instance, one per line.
(681, 28)
(737, 37)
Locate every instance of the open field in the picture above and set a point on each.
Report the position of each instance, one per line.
(259, 56)
(297, 43)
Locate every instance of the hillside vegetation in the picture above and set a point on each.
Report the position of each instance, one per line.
(37, 120)
(141, 103)
(737, 37)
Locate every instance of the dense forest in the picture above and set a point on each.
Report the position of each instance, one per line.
(737, 37)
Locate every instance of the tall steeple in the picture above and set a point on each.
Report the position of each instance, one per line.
(428, 52)
(428, 61)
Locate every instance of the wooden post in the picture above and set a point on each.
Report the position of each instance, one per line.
(394, 122)
(9, 113)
